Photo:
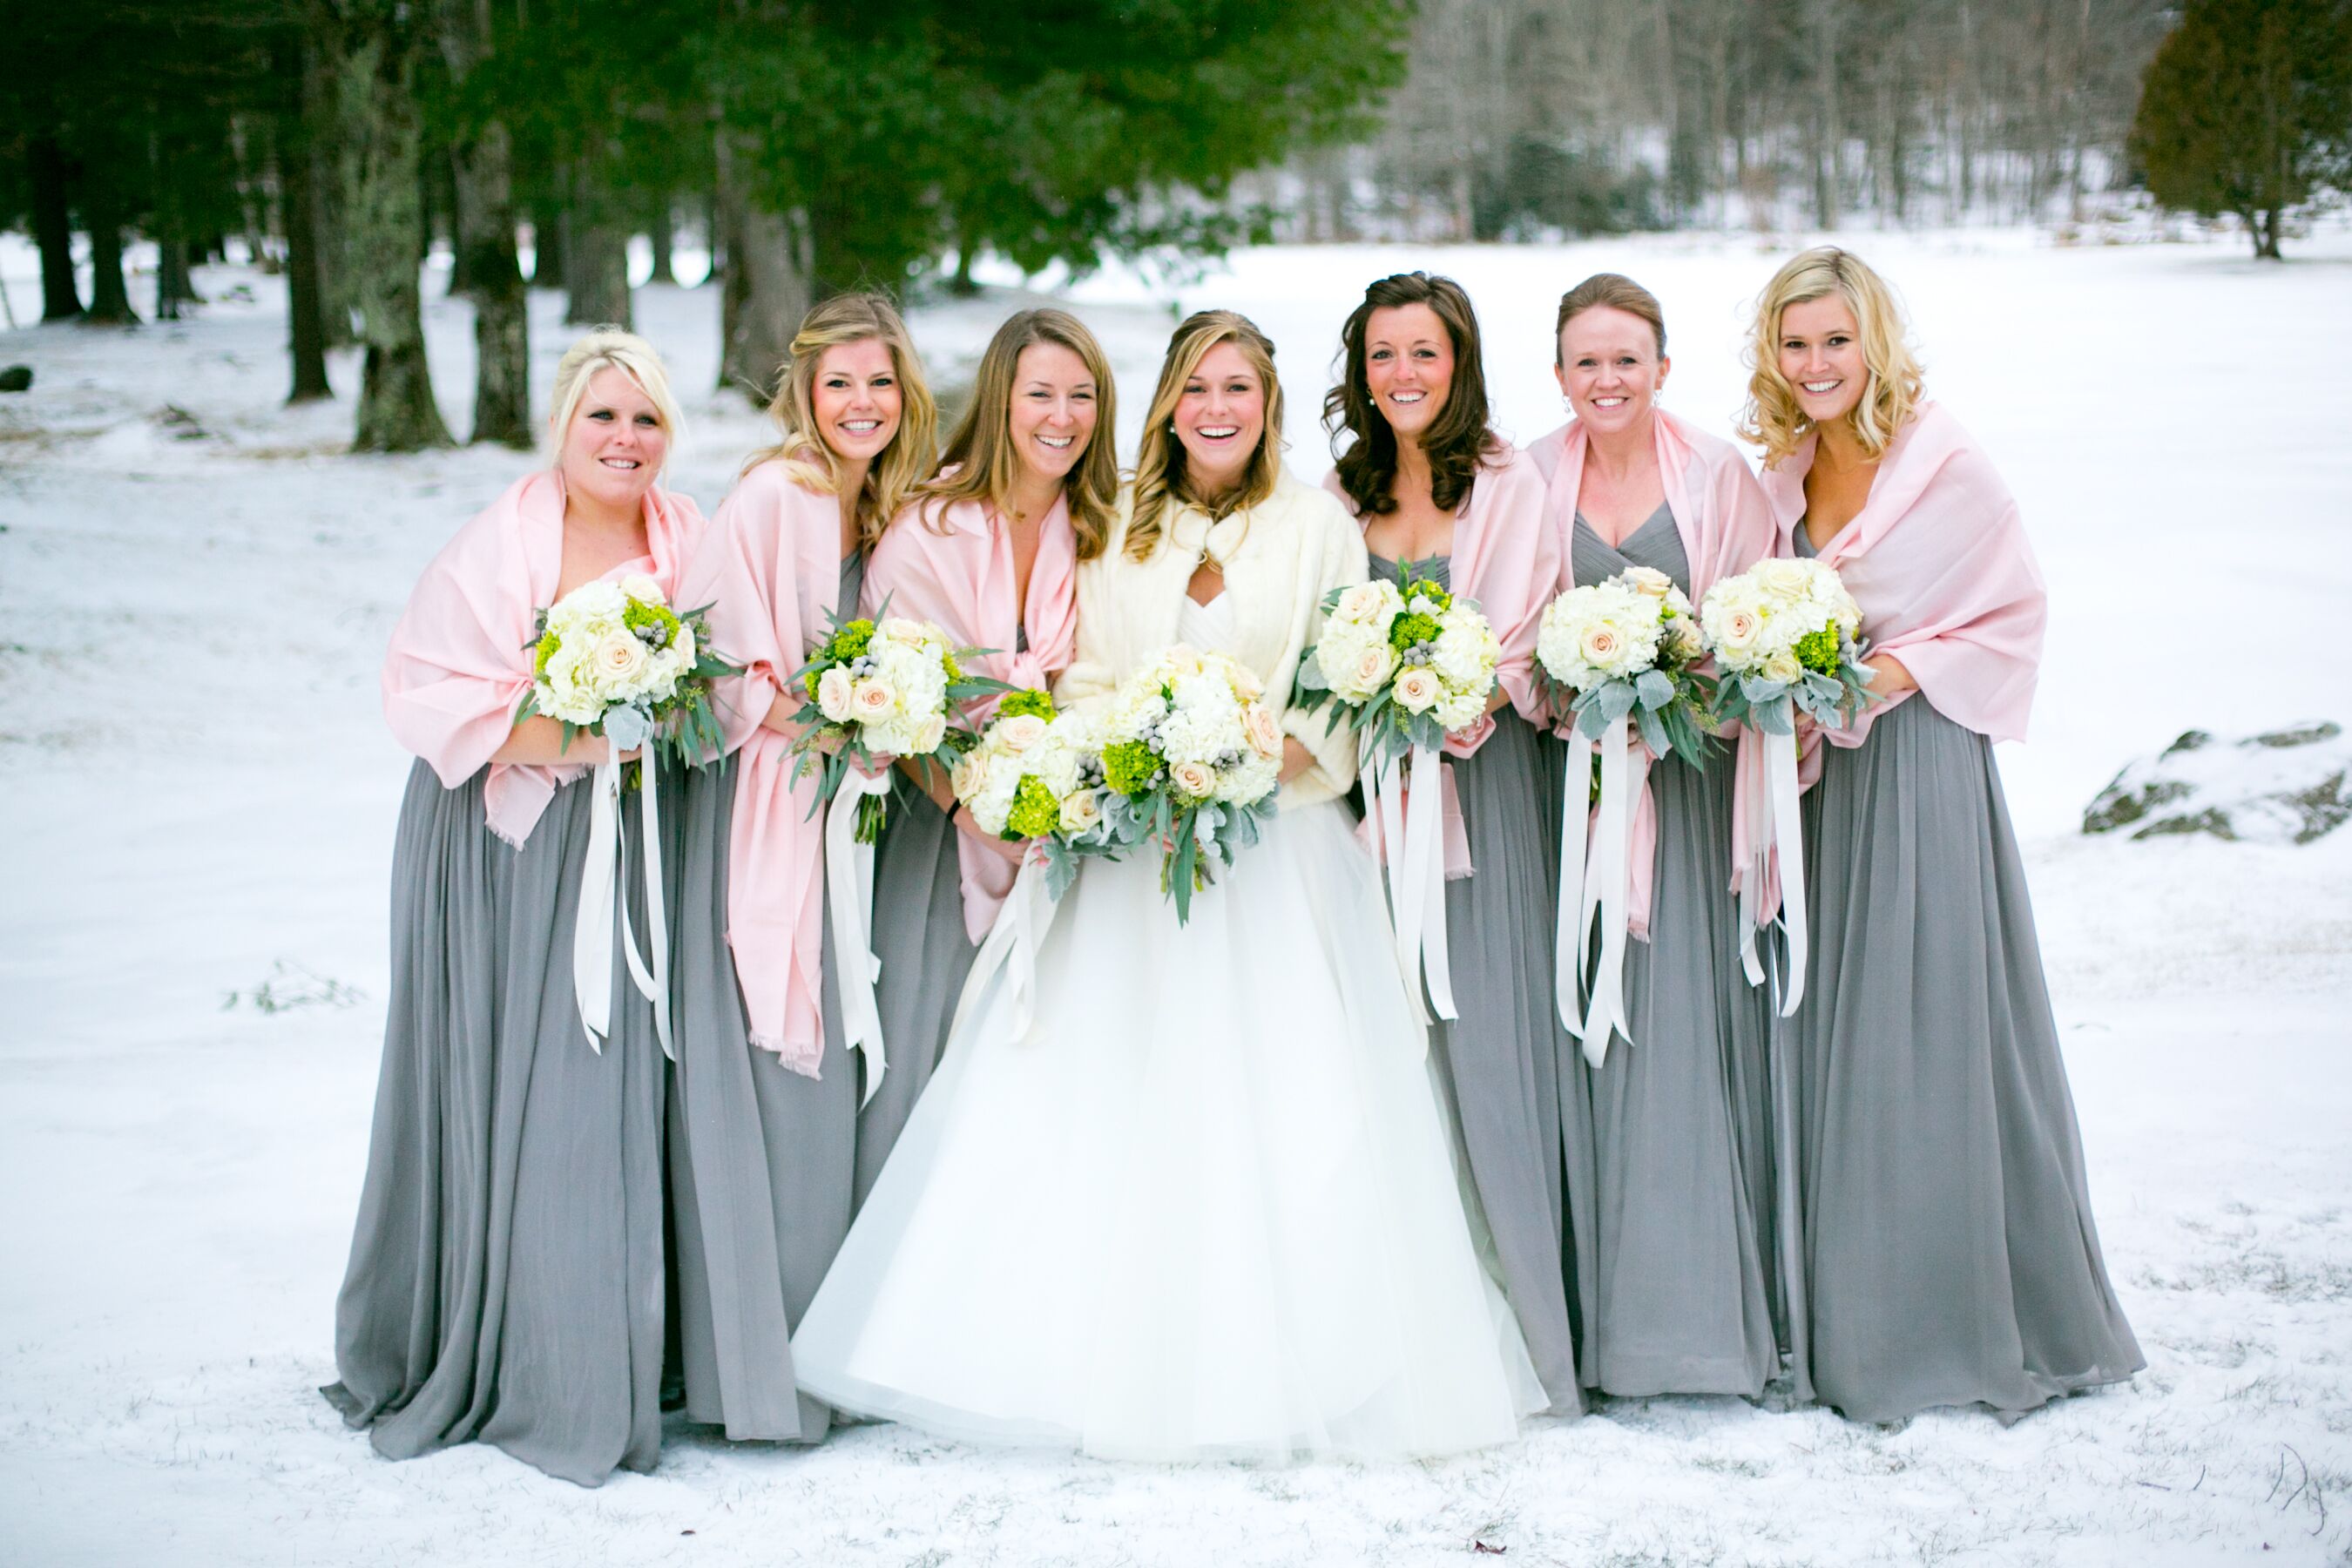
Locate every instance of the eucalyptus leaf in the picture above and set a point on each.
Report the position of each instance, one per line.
(1616, 700)
(1653, 689)
(1774, 719)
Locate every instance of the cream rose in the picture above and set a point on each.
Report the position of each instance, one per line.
(1601, 644)
(1020, 733)
(1737, 631)
(871, 699)
(833, 689)
(1372, 666)
(619, 658)
(966, 777)
(1418, 689)
(643, 589)
(1782, 667)
(1785, 578)
(1647, 581)
(1245, 683)
(929, 733)
(1364, 602)
(1080, 811)
(1198, 780)
(1264, 730)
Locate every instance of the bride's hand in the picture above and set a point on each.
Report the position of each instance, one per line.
(1296, 760)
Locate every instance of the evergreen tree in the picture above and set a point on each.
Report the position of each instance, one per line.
(2247, 110)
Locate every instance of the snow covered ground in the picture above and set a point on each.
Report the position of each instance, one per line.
(200, 800)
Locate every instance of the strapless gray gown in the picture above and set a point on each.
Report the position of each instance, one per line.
(1948, 1249)
(1684, 1287)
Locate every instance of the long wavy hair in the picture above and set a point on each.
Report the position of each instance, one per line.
(895, 470)
(1159, 473)
(981, 462)
(1773, 418)
(1456, 442)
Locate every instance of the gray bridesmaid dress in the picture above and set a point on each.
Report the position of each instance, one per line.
(919, 940)
(1949, 1256)
(506, 1269)
(1681, 1119)
(760, 1157)
(1529, 1157)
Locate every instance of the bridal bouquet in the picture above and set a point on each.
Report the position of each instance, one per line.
(882, 690)
(1191, 758)
(1404, 662)
(1629, 648)
(1784, 634)
(613, 658)
(1037, 774)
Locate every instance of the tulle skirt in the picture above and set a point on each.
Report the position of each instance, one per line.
(1204, 1206)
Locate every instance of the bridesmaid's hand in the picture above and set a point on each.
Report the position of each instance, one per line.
(1296, 760)
(1010, 850)
(1892, 679)
(1465, 741)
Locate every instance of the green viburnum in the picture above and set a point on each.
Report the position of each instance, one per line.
(1407, 631)
(548, 644)
(1128, 766)
(1028, 700)
(955, 671)
(1818, 650)
(851, 641)
(1035, 813)
(639, 616)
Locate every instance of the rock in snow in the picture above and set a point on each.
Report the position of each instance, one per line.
(2287, 786)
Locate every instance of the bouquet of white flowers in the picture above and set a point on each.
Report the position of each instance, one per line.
(613, 659)
(885, 689)
(1036, 775)
(1786, 635)
(1404, 662)
(1191, 758)
(1628, 647)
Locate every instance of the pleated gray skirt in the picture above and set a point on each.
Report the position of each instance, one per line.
(1949, 1253)
(760, 1157)
(506, 1280)
(1530, 1157)
(918, 937)
(1682, 1240)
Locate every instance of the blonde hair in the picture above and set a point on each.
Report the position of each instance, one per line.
(612, 348)
(981, 462)
(1773, 418)
(899, 466)
(1159, 476)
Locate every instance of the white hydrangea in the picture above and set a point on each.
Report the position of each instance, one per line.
(600, 662)
(1599, 632)
(1753, 622)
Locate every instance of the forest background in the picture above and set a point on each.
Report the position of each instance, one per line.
(796, 150)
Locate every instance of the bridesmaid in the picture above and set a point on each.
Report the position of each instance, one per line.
(989, 552)
(1681, 1292)
(1948, 1252)
(506, 1278)
(763, 1108)
(1430, 482)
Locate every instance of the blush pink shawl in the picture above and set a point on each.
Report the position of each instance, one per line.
(770, 569)
(953, 566)
(1939, 560)
(1726, 527)
(459, 664)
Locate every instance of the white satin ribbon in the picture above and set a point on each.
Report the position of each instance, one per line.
(603, 898)
(849, 897)
(1568, 928)
(1607, 893)
(1413, 852)
(1021, 922)
(1784, 829)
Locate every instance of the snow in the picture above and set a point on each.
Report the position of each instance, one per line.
(183, 1176)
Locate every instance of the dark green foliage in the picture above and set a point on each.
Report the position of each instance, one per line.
(1545, 185)
(2247, 110)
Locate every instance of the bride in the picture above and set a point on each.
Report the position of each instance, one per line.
(1203, 1203)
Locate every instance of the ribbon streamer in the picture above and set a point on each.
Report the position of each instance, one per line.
(849, 895)
(1607, 893)
(1412, 828)
(1568, 928)
(1784, 829)
(1021, 922)
(604, 899)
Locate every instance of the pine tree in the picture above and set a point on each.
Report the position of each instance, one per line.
(2247, 110)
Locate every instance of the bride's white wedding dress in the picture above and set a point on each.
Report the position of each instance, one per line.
(1204, 1206)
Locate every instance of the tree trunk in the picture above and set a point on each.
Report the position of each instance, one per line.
(598, 273)
(2266, 227)
(664, 235)
(110, 296)
(766, 290)
(53, 230)
(298, 208)
(486, 219)
(375, 60)
(174, 286)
